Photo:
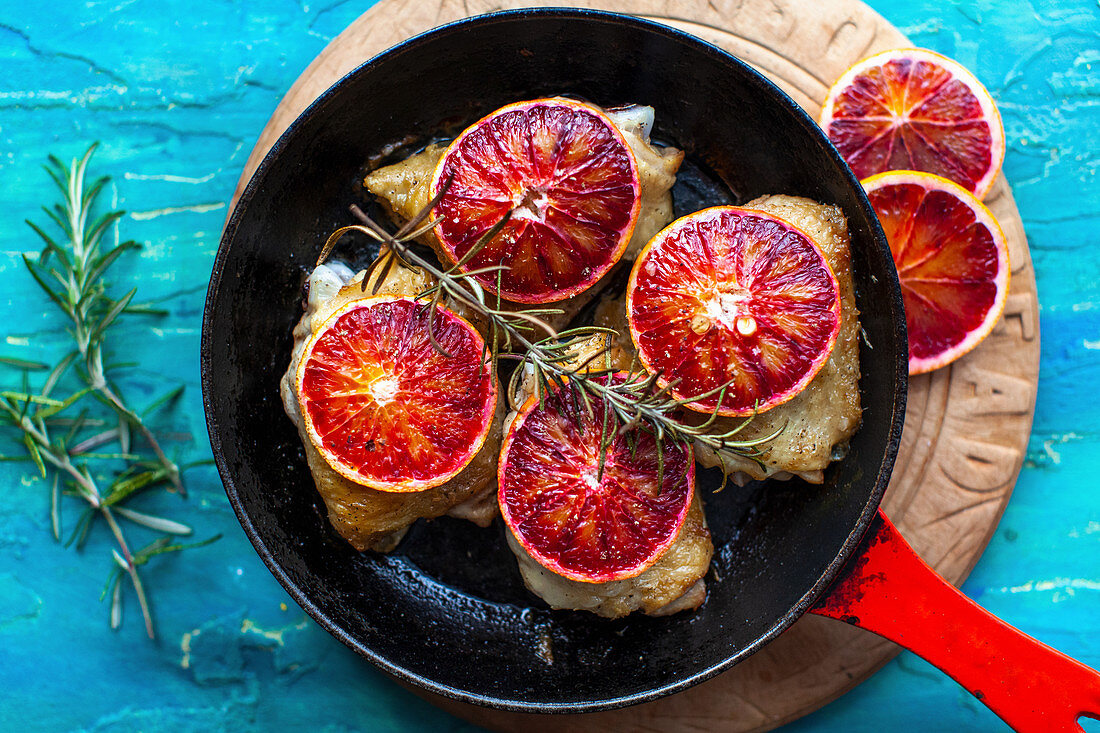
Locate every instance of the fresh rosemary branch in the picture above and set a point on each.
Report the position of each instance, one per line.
(82, 295)
(636, 402)
(68, 450)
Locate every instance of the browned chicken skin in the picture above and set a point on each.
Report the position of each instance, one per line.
(674, 583)
(405, 188)
(367, 518)
(818, 422)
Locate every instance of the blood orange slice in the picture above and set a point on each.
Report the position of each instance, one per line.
(915, 109)
(571, 182)
(952, 260)
(737, 297)
(571, 519)
(383, 406)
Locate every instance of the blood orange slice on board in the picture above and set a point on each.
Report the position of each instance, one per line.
(572, 519)
(916, 110)
(952, 260)
(735, 298)
(571, 182)
(383, 406)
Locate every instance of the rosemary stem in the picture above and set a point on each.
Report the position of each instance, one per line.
(62, 462)
(135, 421)
(633, 402)
(447, 280)
(131, 568)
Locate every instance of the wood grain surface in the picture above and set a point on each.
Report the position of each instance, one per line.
(967, 425)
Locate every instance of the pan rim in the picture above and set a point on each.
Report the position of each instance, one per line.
(825, 579)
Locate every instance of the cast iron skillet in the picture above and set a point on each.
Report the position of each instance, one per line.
(447, 610)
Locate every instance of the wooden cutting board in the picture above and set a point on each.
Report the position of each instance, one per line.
(967, 426)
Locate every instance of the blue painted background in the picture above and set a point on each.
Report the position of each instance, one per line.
(177, 92)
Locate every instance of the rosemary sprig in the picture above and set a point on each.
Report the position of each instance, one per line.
(82, 295)
(70, 451)
(637, 402)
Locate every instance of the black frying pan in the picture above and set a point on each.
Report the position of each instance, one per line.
(447, 610)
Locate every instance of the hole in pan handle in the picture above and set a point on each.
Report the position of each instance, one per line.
(889, 590)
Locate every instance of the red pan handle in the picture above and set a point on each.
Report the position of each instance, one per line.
(889, 590)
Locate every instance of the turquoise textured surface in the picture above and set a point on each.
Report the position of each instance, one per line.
(177, 93)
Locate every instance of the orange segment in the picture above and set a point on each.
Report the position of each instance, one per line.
(952, 261)
(568, 517)
(917, 110)
(383, 406)
(732, 296)
(569, 178)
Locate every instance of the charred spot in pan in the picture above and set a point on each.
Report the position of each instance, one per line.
(697, 186)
